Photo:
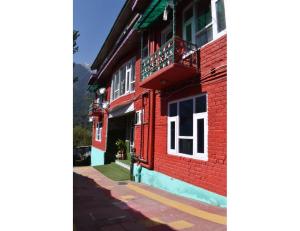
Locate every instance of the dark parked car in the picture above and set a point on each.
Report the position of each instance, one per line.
(82, 155)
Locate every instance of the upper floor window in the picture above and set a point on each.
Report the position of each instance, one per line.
(187, 127)
(166, 34)
(204, 21)
(145, 44)
(123, 80)
(98, 131)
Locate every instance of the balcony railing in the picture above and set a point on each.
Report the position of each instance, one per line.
(176, 50)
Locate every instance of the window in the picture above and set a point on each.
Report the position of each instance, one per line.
(123, 80)
(188, 24)
(220, 15)
(204, 21)
(145, 50)
(204, 32)
(98, 131)
(138, 117)
(187, 127)
(166, 34)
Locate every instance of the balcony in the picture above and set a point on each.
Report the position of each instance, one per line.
(95, 109)
(176, 61)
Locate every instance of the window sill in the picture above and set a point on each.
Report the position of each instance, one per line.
(202, 157)
(128, 93)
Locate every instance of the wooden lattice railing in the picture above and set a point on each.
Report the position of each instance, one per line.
(176, 50)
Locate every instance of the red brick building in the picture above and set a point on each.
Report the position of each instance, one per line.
(160, 84)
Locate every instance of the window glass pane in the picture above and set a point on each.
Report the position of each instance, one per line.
(200, 104)
(132, 70)
(173, 109)
(186, 118)
(132, 76)
(145, 44)
(188, 14)
(122, 80)
(117, 80)
(203, 14)
(200, 135)
(204, 37)
(172, 129)
(188, 32)
(186, 146)
(127, 80)
(145, 52)
(221, 15)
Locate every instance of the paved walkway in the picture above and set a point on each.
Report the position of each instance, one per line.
(105, 205)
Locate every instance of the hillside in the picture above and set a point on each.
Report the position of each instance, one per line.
(81, 97)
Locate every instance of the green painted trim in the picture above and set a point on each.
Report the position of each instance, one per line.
(97, 157)
(153, 11)
(178, 187)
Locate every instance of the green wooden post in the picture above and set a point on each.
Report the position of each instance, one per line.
(142, 38)
(174, 18)
(174, 29)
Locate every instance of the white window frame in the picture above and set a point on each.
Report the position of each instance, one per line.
(214, 22)
(132, 76)
(98, 133)
(216, 34)
(191, 20)
(202, 115)
(139, 115)
(170, 120)
(129, 75)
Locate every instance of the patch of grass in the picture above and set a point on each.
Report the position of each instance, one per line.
(126, 161)
(114, 172)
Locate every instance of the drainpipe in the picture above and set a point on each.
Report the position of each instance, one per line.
(149, 163)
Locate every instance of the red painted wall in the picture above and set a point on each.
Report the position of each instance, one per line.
(210, 174)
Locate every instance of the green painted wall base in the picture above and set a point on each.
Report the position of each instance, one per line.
(97, 156)
(178, 187)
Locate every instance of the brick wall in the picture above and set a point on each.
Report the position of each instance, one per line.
(210, 174)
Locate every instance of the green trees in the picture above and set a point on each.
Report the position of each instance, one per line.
(75, 36)
(81, 131)
(75, 49)
(81, 136)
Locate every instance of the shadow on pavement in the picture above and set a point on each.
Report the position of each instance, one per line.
(94, 208)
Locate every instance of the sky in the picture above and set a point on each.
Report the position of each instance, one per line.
(93, 19)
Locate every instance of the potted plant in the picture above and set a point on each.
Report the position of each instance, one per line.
(121, 147)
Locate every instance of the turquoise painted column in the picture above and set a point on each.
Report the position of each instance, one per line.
(97, 157)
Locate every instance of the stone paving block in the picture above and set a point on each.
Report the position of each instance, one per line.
(127, 197)
(116, 207)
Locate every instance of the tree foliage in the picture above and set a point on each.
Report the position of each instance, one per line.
(75, 49)
(75, 36)
(81, 136)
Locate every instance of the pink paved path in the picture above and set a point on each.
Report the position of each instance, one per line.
(105, 205)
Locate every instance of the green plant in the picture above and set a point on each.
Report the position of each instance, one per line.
(121, 147)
